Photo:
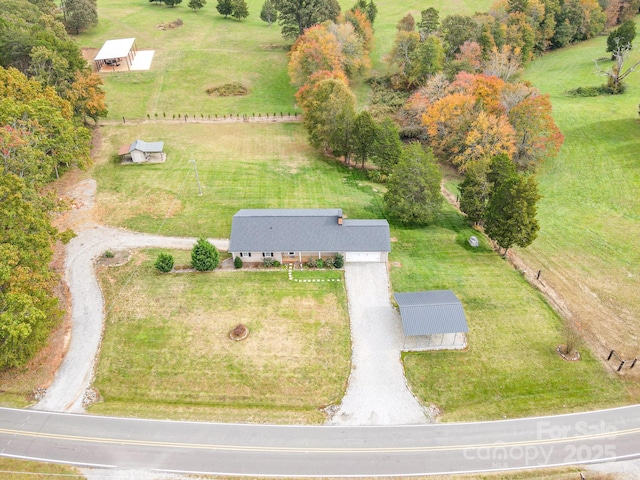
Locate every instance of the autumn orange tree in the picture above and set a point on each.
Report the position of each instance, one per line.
(481, 116)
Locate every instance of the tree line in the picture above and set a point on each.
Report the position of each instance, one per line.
(47, 91)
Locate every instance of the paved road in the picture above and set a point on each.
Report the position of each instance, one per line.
(320, 450)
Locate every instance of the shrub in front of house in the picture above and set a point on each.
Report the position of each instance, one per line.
(204, 256)
(164, 262)
(338, 262)
(237, 262)
(311, 263)
(267, 262)
(328, 263)
(320, 263)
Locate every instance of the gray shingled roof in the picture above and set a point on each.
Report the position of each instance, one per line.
(430, 313)
(305, 230)
(147, 147)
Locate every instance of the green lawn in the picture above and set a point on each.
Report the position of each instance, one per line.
(209, 50)
(510, 368)
(16, 469)
(166, 350)
(590, 208)
(241, 165)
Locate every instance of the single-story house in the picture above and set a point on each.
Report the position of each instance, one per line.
(432, 320)
(141, 151)
(114, 52)
(298, 235)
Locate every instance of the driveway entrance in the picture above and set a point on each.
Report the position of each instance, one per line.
(377, 393)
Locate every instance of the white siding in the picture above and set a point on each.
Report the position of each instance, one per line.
(362, 257)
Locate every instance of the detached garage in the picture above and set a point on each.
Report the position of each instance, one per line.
(299, 235)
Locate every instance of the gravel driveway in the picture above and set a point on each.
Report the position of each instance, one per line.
(377, 393)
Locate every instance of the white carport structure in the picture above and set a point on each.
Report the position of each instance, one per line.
(116, 51)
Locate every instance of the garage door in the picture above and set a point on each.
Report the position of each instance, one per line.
(362, 257)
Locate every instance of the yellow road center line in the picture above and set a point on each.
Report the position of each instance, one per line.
(74, 438)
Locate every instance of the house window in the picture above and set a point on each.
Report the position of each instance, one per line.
(245, 254)
(267, 254)
(292, 253)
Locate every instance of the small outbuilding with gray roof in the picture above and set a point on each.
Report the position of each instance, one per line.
(141, 152)
(432, 320)
(298, 235)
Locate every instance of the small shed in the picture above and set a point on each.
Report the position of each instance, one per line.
(432, 320)
(114, 52)
(141, 152)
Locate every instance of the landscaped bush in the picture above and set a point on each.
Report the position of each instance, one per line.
(311, 263)
(276, 263)
(164, 262)
(108, 254)
(328, 263)
(338, 262)
(204, 256)
(320, 263)
(237, 262)
(267, 262)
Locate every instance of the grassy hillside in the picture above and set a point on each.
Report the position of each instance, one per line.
(209, 50)
(590, 209)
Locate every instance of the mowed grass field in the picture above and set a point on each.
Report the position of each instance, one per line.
(166, 350)
(510, 367)
(240, 165)
(209, 50)
(589, 214)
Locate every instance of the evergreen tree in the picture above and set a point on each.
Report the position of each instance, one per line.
(204, 256)
(511, 213)
(225, 7)
(172, 3)
(387, 146)
(413, 190)
(295, 16)
(240, 9)
(269, 13)
(429, 22)
(196, 5)
(364, 136)
(623, 35)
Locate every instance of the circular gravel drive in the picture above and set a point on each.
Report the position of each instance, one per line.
(377, 393)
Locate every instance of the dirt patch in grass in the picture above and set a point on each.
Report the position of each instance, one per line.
(232, 89)
(170, 25)
(116, 209)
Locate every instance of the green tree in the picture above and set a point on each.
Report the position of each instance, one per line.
(295, 16)
(413, 190)
(370, 9)
(623, 35)
(426, 60)
(387, 146)
(364, 136)
(79, 15)
(457, 29)
(172, 3)
(511, 213)
(225, 7)
(429, 22)
(268, 13)
(164, 262)
(475, 191)
(28, 305)
(204, 256)
(327, 106)
(196, 5)
(240, 9)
